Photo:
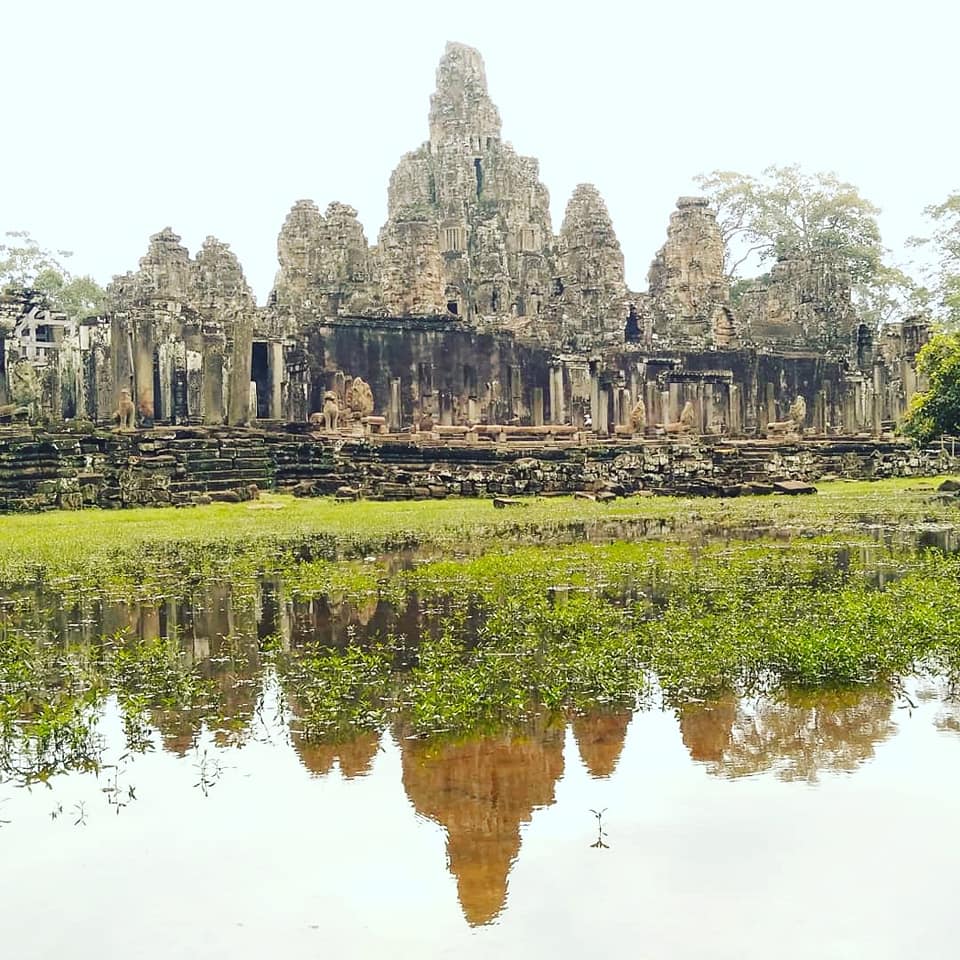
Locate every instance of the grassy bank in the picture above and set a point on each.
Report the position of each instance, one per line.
(97, 545)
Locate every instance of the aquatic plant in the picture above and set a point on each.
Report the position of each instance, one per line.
(524, 616)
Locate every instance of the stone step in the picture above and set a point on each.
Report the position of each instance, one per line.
(207, 486)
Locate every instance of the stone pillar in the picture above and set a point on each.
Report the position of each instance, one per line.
(164, 396)
(770, 409)
(394, 412)
(276, 366)
(652, 401)
(636, 385)
(601, 423)
(515, 399)
(819, 419)
(674, 402)
(908, 374)
(877, 397)
(577, 415)
(239, 410)
(143, 349)
(558, 407)
(595, 393)
(179, 401)
(850, 409)
(4, 388)
(537, 413)
(446, 408)
(735, 423)
(195, 404)
(211, 383)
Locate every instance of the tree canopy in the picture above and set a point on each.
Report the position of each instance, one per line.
(786, 211)
(944, 243)
(936, 410)
(24, 263)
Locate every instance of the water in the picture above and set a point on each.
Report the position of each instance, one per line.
(774, 827)
(200, 617)
(787, 825)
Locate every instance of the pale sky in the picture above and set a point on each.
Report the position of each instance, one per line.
(122, 117)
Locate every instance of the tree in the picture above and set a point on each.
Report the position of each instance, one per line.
(936, 410)
(944, 242)
(787, 212)
(24, 263)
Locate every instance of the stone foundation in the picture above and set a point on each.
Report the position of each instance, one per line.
(184, 465)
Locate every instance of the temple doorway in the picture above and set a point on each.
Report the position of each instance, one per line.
(260, 375)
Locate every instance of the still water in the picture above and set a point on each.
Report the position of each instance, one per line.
(786, 827)
(789, 826)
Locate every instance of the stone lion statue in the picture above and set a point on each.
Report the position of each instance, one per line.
(126, 412)
(688, 416)
(798, 412)
(687, 422)
(638, 416)
(331, 412)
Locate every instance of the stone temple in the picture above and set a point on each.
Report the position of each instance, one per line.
(470, 317)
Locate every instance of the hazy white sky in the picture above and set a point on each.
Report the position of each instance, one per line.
(122, 117)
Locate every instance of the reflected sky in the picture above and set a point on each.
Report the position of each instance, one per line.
(796, 825)
(753, 828)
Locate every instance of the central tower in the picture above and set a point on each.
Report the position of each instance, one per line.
(468, 230)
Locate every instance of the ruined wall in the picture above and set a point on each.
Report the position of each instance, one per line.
(41, 470)
(805, 302)
(181, 333)
(41, 363)
(738, 392)
(442, 369)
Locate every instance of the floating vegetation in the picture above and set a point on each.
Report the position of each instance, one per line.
(444, 618)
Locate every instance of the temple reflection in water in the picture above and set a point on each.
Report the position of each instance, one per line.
(484, 789)
(794, 735)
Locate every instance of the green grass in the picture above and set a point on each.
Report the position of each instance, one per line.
(95, 546)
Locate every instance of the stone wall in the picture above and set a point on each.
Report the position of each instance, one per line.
(181, 466)
(453, 373)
